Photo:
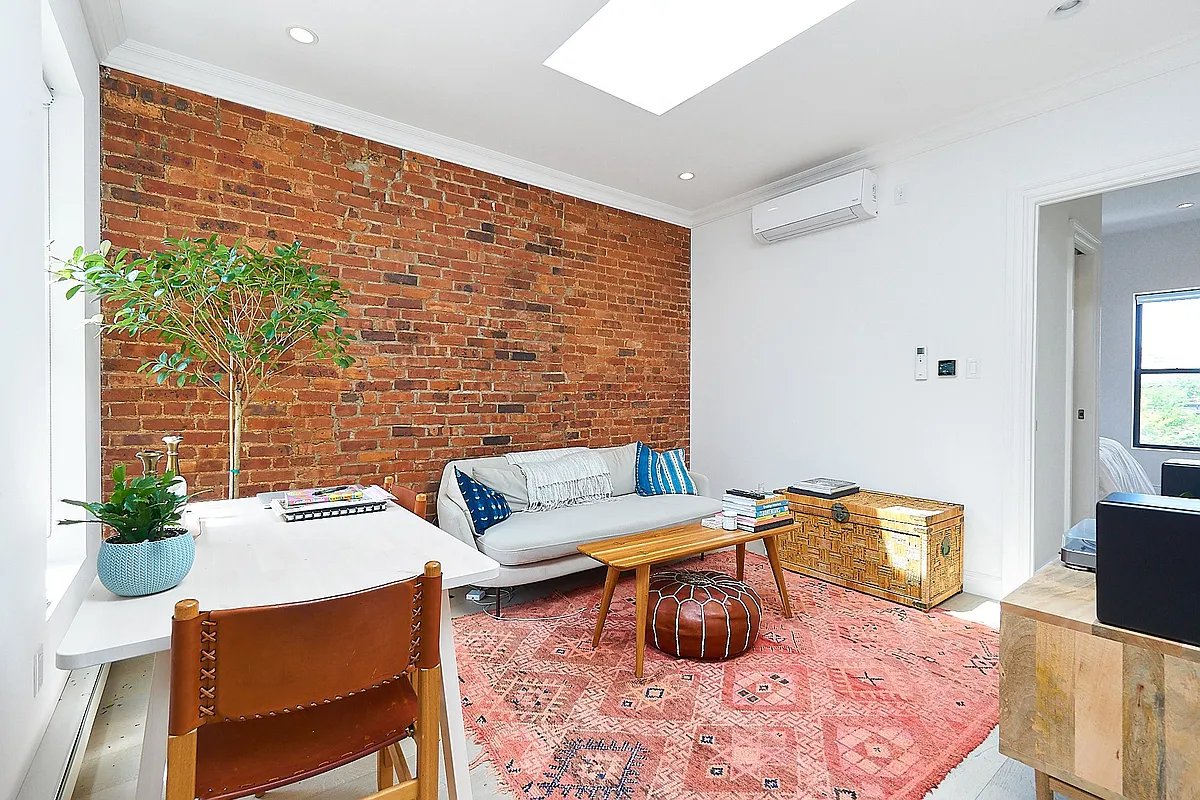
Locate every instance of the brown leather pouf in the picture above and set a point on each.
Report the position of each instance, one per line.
(702, 614)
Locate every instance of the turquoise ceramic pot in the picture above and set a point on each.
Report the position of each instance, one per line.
(132, 570)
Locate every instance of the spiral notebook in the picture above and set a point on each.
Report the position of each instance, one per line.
(374, 499)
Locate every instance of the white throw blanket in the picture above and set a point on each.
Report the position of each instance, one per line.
(570, 479)
(1120, 471)
(537, 456)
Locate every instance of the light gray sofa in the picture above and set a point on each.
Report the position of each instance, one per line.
(537, 546)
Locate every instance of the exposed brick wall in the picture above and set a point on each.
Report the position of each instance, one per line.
(493, 315)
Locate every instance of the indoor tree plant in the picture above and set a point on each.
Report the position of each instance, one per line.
(232, 318)
(149, 551)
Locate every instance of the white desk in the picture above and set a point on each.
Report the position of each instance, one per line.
(247, 556)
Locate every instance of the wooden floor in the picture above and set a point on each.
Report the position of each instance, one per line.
(111, 760)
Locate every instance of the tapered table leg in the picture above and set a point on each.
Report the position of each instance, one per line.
(153, 767)
(643, 602)
(740, 551)
(777, 568)
(610, 584)
(454, 734)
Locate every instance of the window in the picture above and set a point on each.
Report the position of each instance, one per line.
(1166, 370)
(72, 351)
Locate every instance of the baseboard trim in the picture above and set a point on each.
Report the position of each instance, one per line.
(59, 755)
(983, 584)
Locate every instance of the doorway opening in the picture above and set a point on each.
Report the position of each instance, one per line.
(1116, 387)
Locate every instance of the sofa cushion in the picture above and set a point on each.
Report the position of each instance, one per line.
(449, 485)
(622, 463)
(508, 481)
(487, 507)
(526, 538)
(662, 473)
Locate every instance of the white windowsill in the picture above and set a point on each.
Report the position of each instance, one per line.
(66, 553)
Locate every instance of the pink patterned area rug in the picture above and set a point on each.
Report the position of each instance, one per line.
(853, 699)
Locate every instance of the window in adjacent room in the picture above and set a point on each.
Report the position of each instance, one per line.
(1166, 370)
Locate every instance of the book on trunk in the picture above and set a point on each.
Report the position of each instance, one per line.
(828, 488)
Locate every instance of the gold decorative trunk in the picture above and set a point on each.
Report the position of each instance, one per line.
(902, 549)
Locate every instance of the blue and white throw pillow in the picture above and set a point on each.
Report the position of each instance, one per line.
(485, 505)
(662, 473)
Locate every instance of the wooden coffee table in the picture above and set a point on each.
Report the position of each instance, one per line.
(639, 551)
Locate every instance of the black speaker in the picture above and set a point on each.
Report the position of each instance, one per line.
(1147, 559)
(1181, 478)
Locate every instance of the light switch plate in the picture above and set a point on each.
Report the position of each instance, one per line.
(972, 368)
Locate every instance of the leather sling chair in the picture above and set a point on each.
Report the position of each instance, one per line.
(416, 502)
(268, 696)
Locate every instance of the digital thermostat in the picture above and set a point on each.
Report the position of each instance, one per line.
(947, 368)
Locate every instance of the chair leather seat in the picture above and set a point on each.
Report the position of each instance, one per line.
(236, 759)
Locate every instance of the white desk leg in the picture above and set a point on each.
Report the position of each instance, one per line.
(454, 733)
(153, 767)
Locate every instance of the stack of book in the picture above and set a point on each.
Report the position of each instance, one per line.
(756, 511)
(332, 501)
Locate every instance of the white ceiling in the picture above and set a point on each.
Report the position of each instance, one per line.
(1152, 204)
(876, 72)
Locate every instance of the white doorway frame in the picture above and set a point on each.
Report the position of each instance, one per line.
(1024, 204)
(1087, 248)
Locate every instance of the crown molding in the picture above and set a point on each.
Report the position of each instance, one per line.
(105, 24)
(158, 64)
(1181, 53)
(1085, 240)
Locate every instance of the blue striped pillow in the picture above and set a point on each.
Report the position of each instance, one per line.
(662, 473)
(485, 505)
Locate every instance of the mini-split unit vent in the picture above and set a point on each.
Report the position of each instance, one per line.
(819, 207)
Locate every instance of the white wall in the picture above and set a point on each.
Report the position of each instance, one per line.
(24, 401)
(24, 416)
(817, 334)
(1155, 259)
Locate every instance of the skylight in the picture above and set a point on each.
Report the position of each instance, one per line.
(657, 53)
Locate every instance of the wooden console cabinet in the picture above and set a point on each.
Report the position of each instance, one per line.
(1097, 711)
(904, 549)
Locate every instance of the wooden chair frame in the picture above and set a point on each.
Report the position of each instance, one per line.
(414, 501)
(426, 679)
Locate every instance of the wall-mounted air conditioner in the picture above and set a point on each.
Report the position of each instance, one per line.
(825, 205)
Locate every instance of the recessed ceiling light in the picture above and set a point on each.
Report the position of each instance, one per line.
(657, 53)
(1067, 8)
(687, 176)
(1182, 206)
(302, 35)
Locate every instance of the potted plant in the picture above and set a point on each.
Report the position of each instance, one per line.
(148, 551)
(233, 318)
